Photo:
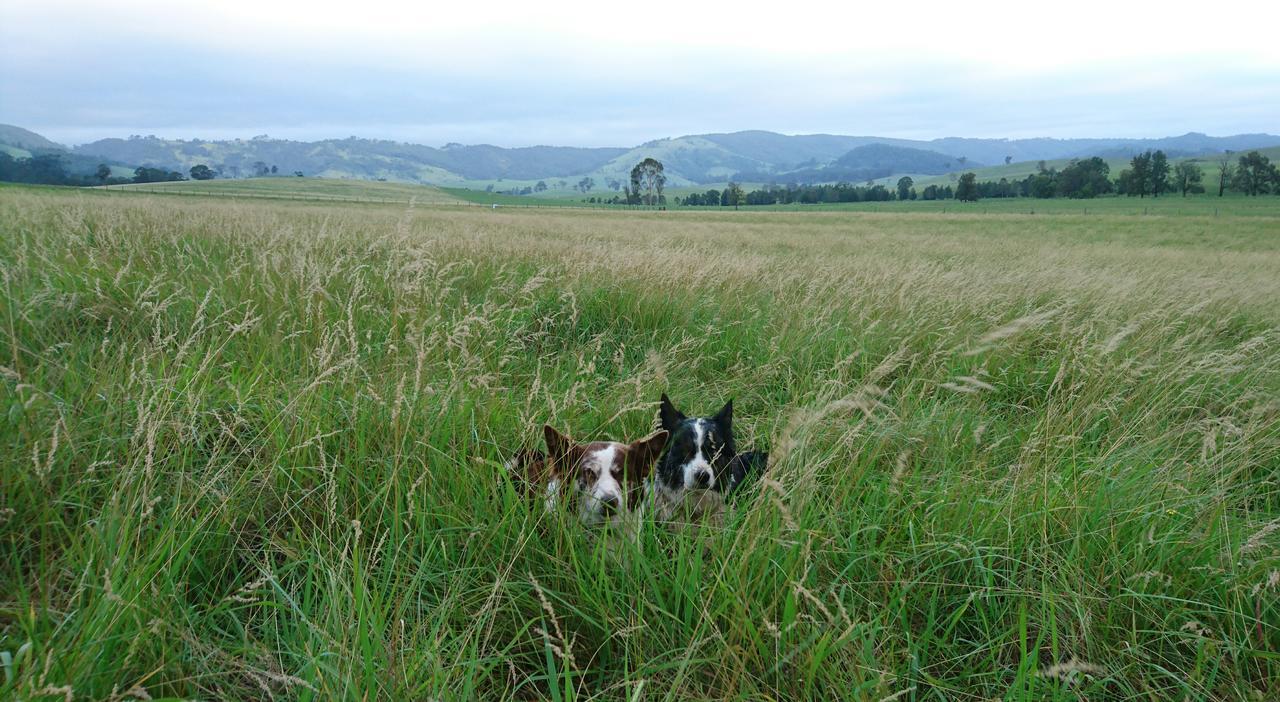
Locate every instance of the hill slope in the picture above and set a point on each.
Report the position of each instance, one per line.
(873, 161)
(1208, 162)
(689, 160)
(25, 139)
(352, 157)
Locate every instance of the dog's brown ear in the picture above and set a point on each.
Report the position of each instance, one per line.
(557, 443)
(562, 453)
(642, 454)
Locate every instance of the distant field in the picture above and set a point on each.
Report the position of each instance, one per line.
(359, 190)
(481, 197)
(302, 188)
(1200, 205)
(1197, 205)
(15, 151)
(319, 189)
(252, 449)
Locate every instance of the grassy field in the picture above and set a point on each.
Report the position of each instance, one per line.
(252, 450)
(482, 197)
(324, 190)
(301, 189)
(1195, 206)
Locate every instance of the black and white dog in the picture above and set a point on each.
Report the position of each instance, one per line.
(701, 465)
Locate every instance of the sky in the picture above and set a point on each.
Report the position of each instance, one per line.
(597, 73)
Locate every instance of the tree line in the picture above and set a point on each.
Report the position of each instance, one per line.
(53, 169)
(1149, 173)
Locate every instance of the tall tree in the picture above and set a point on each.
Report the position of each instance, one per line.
(904, 187)
(647, 177)
(103, 172)
(1159, 173)
(1140, 174)
(1085, 178)
(1224, 172)
(201, 172)
(967, 188)
(1187, 177)
(736, 195)
(1255, 174)
(586, 184)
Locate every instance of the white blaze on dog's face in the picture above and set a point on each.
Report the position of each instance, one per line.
(700, 449)
(600, 492)
(697, 471)
(605, 475)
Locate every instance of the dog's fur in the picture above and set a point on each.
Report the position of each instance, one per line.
(603, 480)
(701, 465)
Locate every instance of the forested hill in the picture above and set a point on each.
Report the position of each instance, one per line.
(694, 159)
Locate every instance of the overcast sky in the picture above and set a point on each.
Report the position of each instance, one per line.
(620, 73)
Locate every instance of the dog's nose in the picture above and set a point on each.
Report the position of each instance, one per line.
(609, 504)
(702, 478)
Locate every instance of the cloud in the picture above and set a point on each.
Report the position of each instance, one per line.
(595, 74)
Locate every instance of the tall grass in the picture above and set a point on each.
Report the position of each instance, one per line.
(254, 451)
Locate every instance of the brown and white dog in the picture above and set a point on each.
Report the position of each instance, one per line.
(603, 481)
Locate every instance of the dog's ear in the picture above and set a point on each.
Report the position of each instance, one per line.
(668, 413)
(725, 416)
(562, 453)
(642, 454)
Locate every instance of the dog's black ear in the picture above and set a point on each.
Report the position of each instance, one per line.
(725, 416)
(668, 414)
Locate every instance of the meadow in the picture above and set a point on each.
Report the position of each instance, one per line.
(290, 188)
(374, 192)
(253, 450)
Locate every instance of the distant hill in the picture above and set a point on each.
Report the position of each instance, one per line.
(24, 139)
(753, 156)
(994, 151)
(17, 143)
(358, 158)
(872, 161)
(1208, 161)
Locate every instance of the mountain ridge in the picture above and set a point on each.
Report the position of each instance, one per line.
(689, 160)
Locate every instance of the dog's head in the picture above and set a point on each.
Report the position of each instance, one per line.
(605, 476)
(699, 451)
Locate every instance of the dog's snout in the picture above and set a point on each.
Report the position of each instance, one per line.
(702, 478)
(610, 504)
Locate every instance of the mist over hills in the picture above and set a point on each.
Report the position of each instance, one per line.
(689, 160)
